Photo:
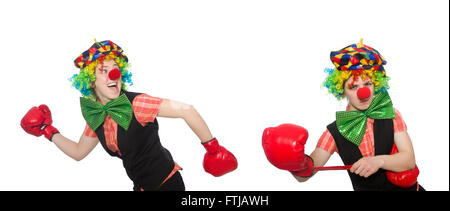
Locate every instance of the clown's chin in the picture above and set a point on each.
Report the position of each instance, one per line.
(363, 105)
(113, 91)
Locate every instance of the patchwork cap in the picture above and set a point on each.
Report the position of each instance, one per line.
(97, 50)
(357, 57)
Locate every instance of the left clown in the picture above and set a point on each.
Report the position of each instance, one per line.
(125, 123)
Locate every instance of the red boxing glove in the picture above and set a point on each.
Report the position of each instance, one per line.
(284, 147)
(218, 160)
(37, 121)
(404, 179)
(32, 121)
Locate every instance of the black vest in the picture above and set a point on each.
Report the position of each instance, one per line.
(146, 161)
(383, 140)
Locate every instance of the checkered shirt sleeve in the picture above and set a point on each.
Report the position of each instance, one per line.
(326, 142)
(146, 108)
(89, 132)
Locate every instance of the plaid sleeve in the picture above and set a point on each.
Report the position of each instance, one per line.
(326, 142)
(399, 123)
(146, 108)
(89, 132)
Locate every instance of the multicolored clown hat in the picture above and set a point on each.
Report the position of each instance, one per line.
(357, 57)
(97, 50)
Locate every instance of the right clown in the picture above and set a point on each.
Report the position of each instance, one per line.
(370, 136)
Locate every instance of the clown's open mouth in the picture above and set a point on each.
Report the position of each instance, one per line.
(112, 85)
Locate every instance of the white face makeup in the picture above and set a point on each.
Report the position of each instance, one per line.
(105, 88)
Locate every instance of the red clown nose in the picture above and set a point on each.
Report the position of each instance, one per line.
(114, 74)
(363, 93)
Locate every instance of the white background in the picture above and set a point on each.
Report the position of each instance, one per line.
(244, 65)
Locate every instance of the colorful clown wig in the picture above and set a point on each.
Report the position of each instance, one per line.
(356, 60)
(95, 55)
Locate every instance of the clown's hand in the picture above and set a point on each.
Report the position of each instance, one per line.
(38, 121)
(218, 160)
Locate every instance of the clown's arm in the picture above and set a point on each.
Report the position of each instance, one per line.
(77, 151)
(174, 109)
(405, 158)
(38, 121)
(218, 160)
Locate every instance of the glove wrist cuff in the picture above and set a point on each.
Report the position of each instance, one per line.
(212, 145)
(307, 168)
(49, 131)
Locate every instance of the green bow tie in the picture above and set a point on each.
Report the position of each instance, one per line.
(119, 109)
(352, 124)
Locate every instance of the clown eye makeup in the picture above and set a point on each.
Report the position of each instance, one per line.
(368, 83)
(106, 68)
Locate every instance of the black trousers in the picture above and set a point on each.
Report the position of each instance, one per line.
(174, 183)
